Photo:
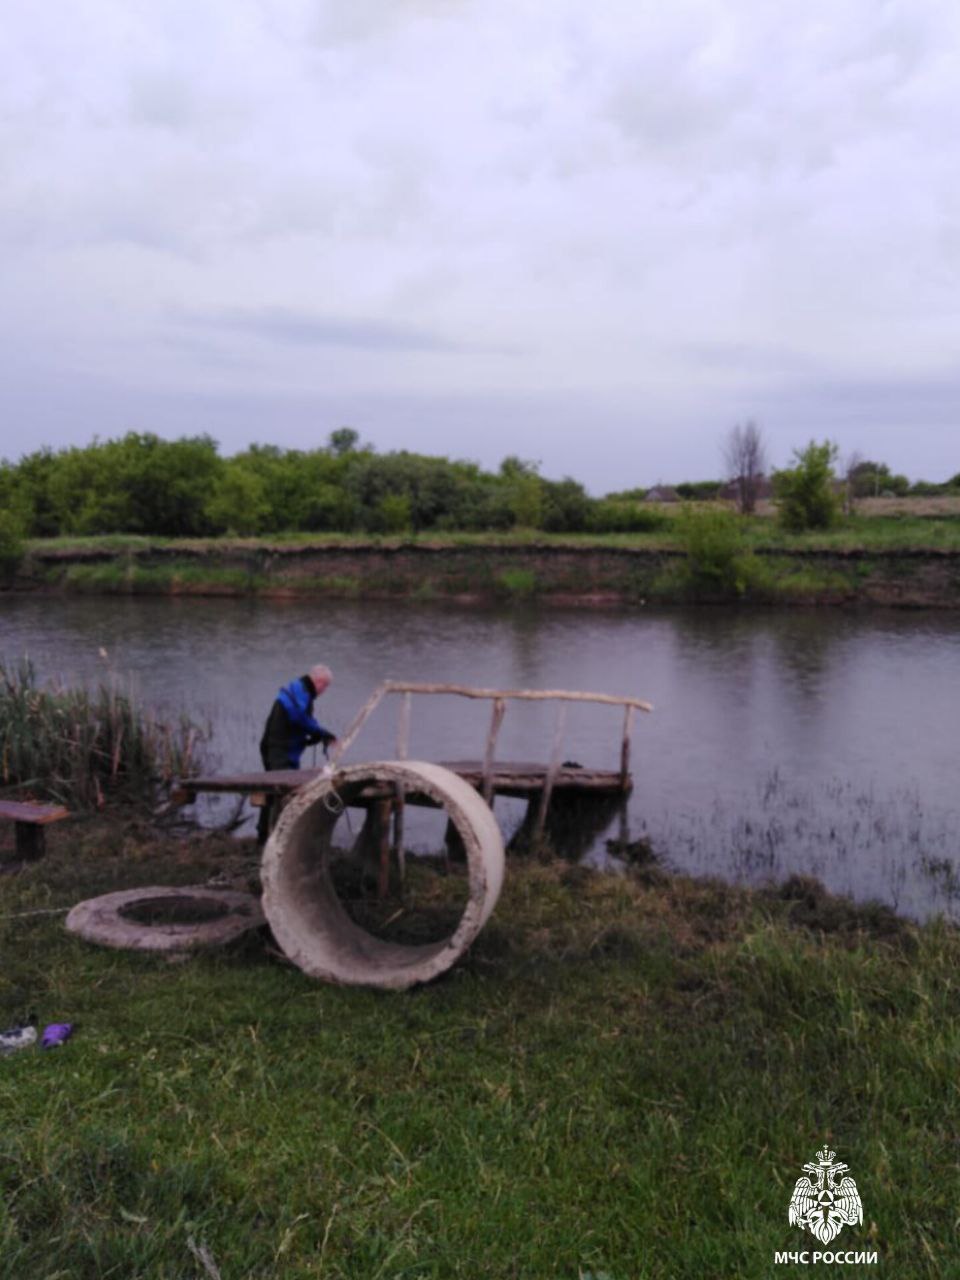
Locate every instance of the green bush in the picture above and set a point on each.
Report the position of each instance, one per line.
(566, 507)
(524, 490)
(11, 544)
(608, 515)
(139, 484)
(699, 490)
(517, 583)
(925, 489)
(805, 492)
(393, 513)
(238, 504)
(25, 489)
(718, 562)
(870, 479)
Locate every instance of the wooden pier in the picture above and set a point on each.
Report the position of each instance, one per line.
(551, 789)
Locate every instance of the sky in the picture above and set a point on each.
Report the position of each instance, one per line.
(592, 235)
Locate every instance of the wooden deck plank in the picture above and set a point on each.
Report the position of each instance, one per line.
(511, 778)
(277, 782)
(35, 814)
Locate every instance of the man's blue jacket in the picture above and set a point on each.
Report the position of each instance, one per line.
(291, 726)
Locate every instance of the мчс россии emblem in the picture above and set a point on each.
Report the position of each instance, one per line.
(822, 1205)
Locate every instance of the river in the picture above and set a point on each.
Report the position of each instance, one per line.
(816, 742)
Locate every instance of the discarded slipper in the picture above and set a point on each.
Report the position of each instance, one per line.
(56, 1034)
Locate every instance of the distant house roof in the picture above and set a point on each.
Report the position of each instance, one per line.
(661, 493)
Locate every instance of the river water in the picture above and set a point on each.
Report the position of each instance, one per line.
(823, 743)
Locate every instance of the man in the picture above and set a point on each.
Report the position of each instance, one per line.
(291, 728)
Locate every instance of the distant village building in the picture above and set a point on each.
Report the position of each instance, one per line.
(661, 493)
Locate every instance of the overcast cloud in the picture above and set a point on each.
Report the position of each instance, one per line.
(592, 235)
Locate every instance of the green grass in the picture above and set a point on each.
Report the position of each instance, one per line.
(624, 1077)
(109, 577)
(860, 531)
(98, 542)
(175, 577)
(516, 584)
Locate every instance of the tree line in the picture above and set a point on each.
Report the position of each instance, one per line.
(142, 484)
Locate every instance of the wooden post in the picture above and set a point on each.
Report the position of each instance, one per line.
(357, 724)
(398, 850)
(29, 820)
(625, 746)
(30, 841)
(403, 727)
(556, 751)
(496, 719)
(403, 748)
(381, 812)
(624, 824)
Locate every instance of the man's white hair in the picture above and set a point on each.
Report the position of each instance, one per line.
(321, 674)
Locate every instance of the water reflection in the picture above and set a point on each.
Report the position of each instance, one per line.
(772, 730)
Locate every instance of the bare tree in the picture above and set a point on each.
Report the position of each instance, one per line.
(852, 468)
(745, 456)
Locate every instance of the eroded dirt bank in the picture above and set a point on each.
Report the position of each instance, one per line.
(550, 573)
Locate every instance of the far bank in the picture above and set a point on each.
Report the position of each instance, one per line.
(547, 570)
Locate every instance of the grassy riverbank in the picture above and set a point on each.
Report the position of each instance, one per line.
(886, 559)
(624, 1078)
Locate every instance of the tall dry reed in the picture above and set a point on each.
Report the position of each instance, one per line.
(85, 747)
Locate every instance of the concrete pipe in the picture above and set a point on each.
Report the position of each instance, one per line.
(300, 901)
(166, 919)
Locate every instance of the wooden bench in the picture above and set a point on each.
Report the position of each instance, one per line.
(29, 821)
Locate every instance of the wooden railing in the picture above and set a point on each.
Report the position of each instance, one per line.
(499, 697)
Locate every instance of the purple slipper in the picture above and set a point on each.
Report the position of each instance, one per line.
(56, 1034)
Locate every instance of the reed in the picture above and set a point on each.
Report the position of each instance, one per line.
(85, 747)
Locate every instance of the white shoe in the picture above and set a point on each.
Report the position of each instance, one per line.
(17, 1038)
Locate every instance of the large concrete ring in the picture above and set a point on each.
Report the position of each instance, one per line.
(110, 919)
(301, 904)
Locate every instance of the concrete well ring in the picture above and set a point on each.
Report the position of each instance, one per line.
(111, 919)
(300, 901)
